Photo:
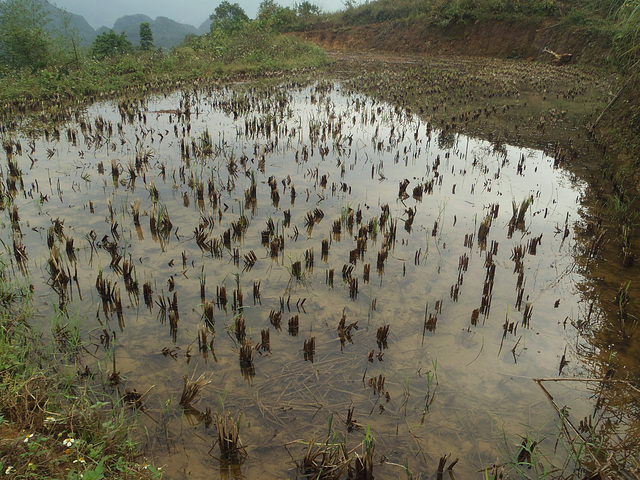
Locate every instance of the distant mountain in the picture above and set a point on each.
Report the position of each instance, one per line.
(205, 27)
(167, 33)
(130, 25)
(63, 23)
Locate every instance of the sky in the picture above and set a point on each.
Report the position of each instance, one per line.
(105, 12)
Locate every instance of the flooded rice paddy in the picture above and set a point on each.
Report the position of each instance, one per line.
(327, 263)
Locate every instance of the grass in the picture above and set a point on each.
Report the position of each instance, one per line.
(192, 389)
(627, 35)
(591, 447)
(54, 422)
(245, 54)
(332, 458)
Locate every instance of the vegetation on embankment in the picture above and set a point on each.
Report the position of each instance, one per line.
(39, 70)
(56, 419)
(598, 31)
(146, 72)
(618, 128)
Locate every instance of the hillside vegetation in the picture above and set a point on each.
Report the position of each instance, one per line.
(609, 27)
(61, 23)
(38, 66)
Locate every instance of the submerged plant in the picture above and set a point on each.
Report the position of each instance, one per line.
(331, 458)
(192, 389)
(228, 428)
(364, 462)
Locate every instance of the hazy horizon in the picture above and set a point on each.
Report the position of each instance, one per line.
(193, 12)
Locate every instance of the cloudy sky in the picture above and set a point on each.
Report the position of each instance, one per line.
(194, 12)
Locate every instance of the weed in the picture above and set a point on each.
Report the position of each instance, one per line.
(364, 462)
(50, 424)
(622, 298)
(229, 441)
(328, 460)
(192, 389)
(295, 270)
(331, 459)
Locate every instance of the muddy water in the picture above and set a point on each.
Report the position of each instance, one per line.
(477, 302)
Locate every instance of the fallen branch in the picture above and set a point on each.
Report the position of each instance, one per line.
(566, 421)
(608, 107)
(588, 380)
(562, 59)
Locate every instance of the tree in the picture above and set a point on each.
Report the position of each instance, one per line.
(307, 14)
(69, 36)
(24, 42)
(146, 37)
(228, 18)
(267, 9)
(110, 44)
(307, 9)
(273, 17)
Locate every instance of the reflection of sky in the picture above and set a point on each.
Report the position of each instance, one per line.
(475, 373)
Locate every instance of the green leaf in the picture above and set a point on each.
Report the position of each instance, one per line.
(95, 474)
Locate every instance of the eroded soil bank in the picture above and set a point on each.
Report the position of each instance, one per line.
(495, 39)
(619, 126)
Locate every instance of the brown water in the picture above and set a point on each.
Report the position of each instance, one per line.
(463, 386)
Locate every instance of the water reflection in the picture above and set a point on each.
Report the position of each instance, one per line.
(216, 202)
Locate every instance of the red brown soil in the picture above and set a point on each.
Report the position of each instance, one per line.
(499, 39)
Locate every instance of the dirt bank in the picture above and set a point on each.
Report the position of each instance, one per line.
(618, 128)
(493, 39)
